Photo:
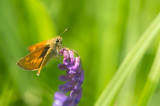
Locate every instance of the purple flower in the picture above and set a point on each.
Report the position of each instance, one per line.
(74, 79)
(59, 99)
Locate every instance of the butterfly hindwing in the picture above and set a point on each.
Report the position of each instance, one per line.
(34, 60)
(36, 46)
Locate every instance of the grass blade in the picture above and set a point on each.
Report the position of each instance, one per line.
(152, 81)
(129, 63)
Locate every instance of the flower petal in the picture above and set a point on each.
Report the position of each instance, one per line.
(60, 96)
(76, 65)
(59, 99)
(78, 97)
(69, 84)
(62, 66)
(63, 88)
(64, 77)
(69, 102)
(66, 61)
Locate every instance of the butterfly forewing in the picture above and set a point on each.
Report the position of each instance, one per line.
(37, 46)
(33, 60)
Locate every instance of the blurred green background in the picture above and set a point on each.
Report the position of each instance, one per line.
(101, 31)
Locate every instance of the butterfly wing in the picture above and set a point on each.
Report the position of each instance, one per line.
(36, 46)
(47, 57)
(34, 60)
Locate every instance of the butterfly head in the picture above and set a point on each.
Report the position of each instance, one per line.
(58, 40)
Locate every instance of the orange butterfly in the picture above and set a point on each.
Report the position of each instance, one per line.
(40, 54)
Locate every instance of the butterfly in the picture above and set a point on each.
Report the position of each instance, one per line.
(40, 54)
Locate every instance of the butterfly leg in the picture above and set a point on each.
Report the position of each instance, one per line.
(39, 70)
(59, 50)
(57, 58)
(46, 58)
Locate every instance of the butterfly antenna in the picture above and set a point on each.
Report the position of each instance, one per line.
(64, 31)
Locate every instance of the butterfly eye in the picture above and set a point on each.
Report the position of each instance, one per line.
(57, 40)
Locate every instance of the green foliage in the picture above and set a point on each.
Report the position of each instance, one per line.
(130, 62)
(105, 33)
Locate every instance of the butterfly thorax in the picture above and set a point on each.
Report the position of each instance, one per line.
(55, 44)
